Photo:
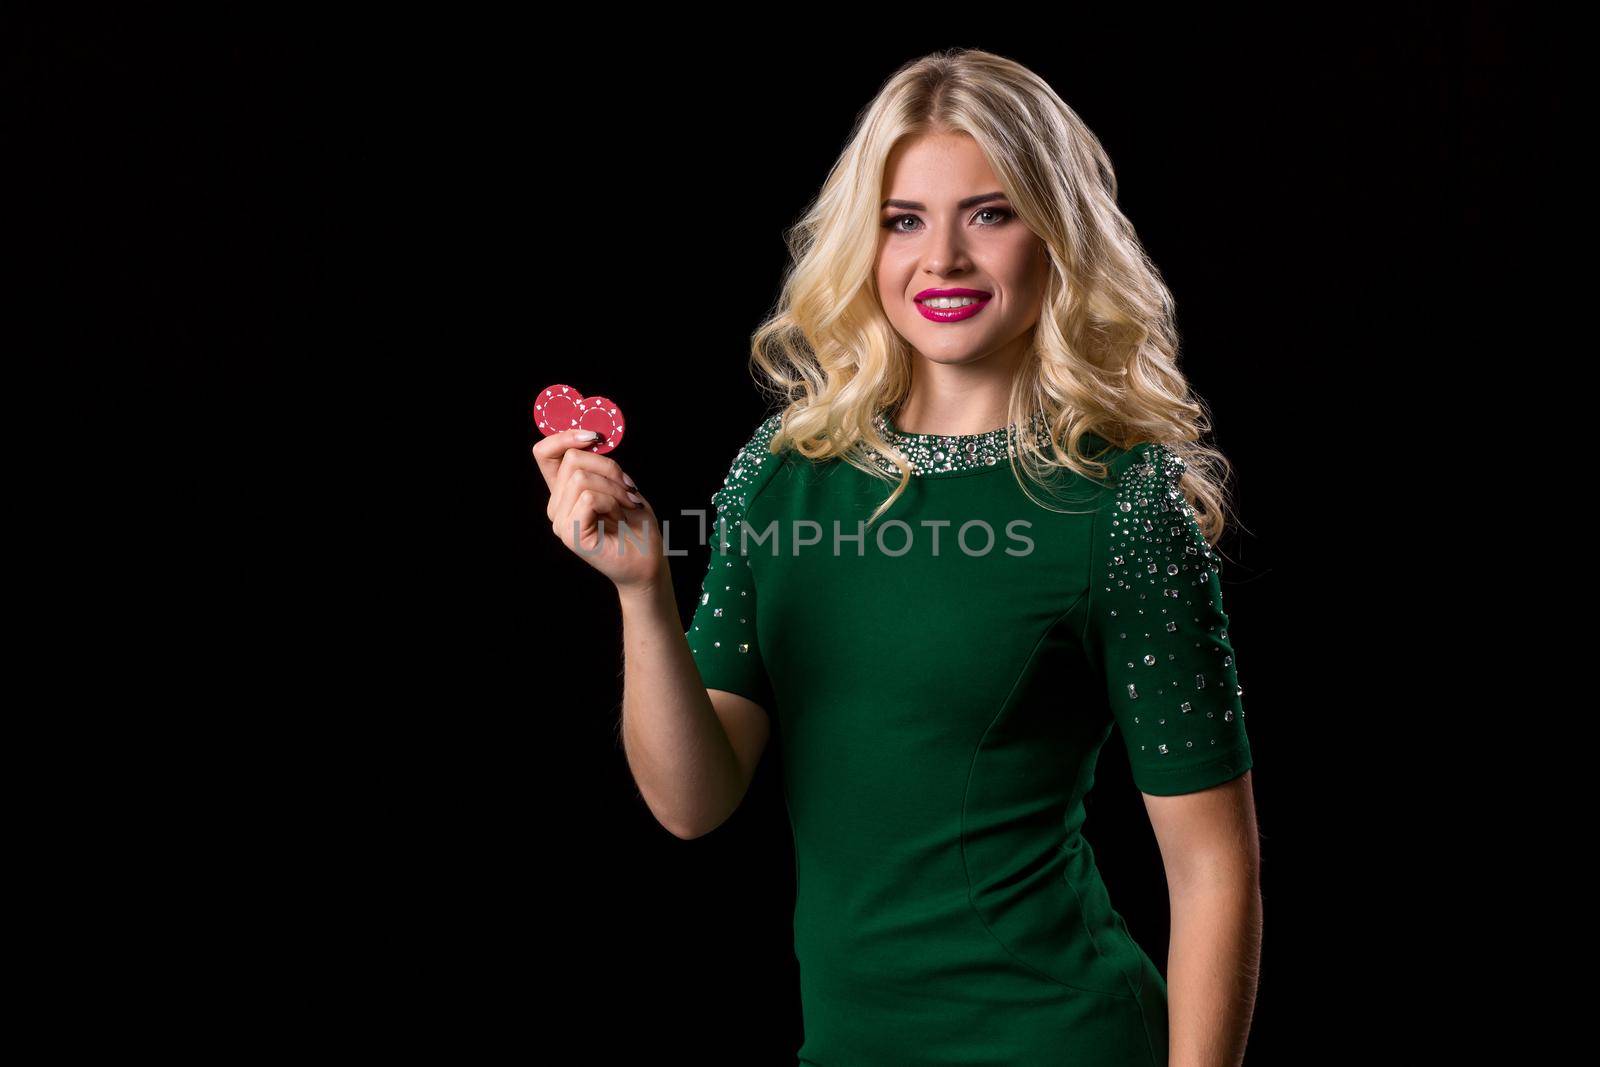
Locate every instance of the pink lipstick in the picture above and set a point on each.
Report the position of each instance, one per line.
(933, 314)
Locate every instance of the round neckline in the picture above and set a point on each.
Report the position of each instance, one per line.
(936, 455)
(894, 428)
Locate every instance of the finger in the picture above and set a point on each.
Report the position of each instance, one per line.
(641, 527)
(579, 459)
(548, 453)
(584, 521)
(634, 530)
(569, 486)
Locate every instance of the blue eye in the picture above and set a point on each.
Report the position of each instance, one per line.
(894, 223)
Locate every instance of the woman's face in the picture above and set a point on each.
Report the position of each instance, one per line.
(942, 231)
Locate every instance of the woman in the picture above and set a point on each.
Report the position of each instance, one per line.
(945, 648)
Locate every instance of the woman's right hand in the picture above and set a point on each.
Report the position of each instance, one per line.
(590, 500)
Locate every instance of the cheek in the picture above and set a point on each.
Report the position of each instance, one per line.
(1025, 267)
(892, 273)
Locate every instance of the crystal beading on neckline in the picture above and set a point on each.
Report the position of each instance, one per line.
(933, 453)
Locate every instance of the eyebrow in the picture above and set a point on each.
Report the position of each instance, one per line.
(912, 205)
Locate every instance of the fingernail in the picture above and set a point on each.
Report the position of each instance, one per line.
(586, 435)
(628, 480)
(636, 498)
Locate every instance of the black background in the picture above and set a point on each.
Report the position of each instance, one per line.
(308, 279)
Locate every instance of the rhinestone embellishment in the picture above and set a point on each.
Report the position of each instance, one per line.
(730, 502)
(1161, 576)
(931, 453)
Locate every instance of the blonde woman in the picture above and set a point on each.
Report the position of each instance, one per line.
(975, 538)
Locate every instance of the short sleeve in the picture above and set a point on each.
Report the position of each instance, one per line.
(722, 634)
(1156, 630)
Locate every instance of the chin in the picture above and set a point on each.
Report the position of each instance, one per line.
(966, 352)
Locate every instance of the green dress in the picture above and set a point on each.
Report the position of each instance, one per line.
(941, 685)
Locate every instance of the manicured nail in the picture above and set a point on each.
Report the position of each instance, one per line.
(628, 480)
(636, 498)
(586, 435)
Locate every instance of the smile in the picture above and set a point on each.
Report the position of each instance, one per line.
(953, 308)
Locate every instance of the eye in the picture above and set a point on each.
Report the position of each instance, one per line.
(893, 223)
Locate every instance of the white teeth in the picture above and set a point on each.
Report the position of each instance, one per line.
(949, 301)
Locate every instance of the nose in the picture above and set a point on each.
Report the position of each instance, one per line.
(946, 252)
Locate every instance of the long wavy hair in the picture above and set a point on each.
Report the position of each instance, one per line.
(1105, 346)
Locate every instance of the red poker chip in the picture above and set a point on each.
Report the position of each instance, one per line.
(603, 417)
(556, 409)
(561, 407)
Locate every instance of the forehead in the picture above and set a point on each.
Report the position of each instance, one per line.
(937, 167)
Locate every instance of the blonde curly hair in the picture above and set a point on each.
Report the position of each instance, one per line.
(1105, 347)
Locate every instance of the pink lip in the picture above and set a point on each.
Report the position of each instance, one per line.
(951, 314)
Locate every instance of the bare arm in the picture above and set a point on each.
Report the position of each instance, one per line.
(692, 750)
(1210, 848)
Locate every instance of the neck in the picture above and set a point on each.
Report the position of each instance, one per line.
(961, 399)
